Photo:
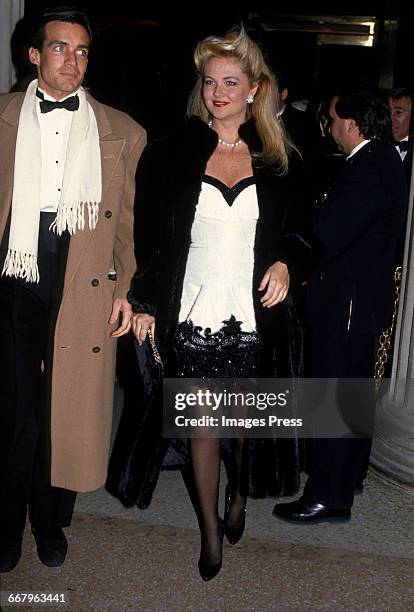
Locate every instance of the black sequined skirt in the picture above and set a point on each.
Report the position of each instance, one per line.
(227, 353)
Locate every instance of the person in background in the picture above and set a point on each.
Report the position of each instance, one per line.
(293, 120)
(19, 46)
(351, 293)
(401, 102)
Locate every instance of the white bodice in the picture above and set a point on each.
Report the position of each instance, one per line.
(219, 272)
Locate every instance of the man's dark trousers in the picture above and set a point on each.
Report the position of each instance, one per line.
(26, 316)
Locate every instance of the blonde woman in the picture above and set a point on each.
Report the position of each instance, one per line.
(218, 243)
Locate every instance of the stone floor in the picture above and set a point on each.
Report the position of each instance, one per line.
(147, 560)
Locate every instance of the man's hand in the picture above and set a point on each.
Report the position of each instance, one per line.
(276, 279)
(121, 310)
(141, 323)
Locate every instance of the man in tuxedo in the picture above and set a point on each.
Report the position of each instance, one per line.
(293, 120)
(400, 102)
(351, 294)
(66, 220)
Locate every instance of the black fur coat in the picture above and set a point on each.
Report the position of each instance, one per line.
(169, 181)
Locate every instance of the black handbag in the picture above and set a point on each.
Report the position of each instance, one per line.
(138, 448)
(150, 364)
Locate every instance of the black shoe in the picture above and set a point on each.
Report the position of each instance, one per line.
(233, 534)
(304, 511)
(52, 545)
(10, 553)
(11, 536)
(207, 570)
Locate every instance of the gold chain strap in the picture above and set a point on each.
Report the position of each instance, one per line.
(154, 349)
(384, 342)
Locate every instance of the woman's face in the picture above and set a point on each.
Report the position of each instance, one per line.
(226, 88)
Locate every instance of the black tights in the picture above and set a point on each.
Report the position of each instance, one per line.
(203, 487)
(235, 354)
(238, 487)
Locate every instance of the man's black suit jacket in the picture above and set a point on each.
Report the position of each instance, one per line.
(295, 123)
(352, 289)
(408, 162)
(407, 165)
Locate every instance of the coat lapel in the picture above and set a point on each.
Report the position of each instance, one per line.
(111, 150)
(10, 120)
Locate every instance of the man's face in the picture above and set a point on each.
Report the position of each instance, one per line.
(62, 63)
(400, 111)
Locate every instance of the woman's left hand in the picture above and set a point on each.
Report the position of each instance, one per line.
(276, 279)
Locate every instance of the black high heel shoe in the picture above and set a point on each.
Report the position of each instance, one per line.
(208, 570)
(233, 534)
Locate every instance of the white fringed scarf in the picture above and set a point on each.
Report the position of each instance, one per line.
(82, 184)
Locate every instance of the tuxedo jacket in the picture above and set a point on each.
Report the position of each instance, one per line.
(295, 123)
(408, 162)
(352, 288)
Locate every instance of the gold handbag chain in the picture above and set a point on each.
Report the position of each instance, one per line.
(384, 342)
(157, 356)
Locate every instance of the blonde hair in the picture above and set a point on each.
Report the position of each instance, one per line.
(275, 142)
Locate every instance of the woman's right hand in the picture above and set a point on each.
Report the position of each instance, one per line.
(141, 323)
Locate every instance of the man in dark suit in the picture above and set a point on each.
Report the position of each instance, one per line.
(351, 292)
(294, 120)
(401, 101)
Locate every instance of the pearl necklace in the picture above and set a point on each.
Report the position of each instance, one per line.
(224, 143)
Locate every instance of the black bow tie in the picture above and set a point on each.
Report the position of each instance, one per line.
(71, 104)
(402, 145)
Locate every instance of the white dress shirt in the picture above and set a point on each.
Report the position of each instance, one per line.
(357, 148)
(402, 154)
(54, 135)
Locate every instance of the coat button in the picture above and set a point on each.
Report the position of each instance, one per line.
(108, 214)
(96, 349)
(94, 282)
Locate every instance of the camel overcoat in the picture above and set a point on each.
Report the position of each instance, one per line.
(82, 376)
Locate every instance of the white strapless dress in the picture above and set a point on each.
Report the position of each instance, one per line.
(219, 272)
